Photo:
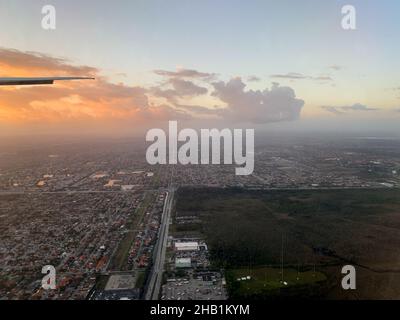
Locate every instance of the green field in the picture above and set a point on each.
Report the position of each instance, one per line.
(120, 257)
(140, 280)
(266, 279)
(322, 229)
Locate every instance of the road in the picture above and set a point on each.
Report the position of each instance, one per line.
(155, 280)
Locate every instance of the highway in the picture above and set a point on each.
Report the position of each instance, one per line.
(155, 277)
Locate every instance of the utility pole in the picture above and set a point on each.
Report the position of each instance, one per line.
(282, 258)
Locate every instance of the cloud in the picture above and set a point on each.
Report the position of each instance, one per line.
(299, 76)
(291, 75)
(98, 100)
(253, 79)
(35, 64)
(187, 88)
(322, 78)
(181, 84)
(335, 67)
(358, 107)
(338, 110)
(184, 73)
(270, 105)
(332, 110)
(178, 88)
(102, 101)
(200, 110)
(184, 88)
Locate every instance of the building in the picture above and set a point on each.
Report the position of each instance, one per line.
(183, 263)
(187, 246)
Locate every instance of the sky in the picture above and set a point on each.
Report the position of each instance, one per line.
(268, 64)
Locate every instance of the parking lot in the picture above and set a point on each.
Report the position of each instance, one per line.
(193, 289)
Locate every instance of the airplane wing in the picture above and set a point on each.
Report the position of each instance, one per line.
(36, 81)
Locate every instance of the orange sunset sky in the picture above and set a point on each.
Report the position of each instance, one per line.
(207, 64)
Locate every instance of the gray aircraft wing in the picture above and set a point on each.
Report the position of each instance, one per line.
(37, 81)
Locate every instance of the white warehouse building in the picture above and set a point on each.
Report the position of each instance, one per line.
(187, 246)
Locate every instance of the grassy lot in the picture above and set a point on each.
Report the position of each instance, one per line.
(141, 211)
(121, 255)
(271, 278)
(141, 277)
(101, 282)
